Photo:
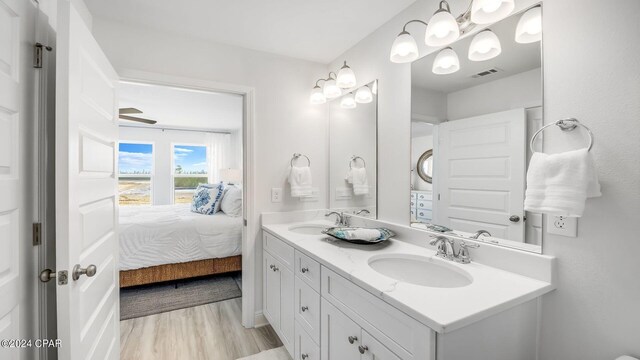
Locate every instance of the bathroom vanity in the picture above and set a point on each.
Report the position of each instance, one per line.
(334, 300)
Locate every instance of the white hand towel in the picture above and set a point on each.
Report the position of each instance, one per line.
(559, 184)
(358, 178)
(300, 180)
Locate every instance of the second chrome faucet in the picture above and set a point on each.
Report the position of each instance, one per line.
(446, 249)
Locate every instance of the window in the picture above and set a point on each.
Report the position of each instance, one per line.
(190, 169)
(135, 173)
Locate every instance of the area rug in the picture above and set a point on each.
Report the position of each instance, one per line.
(158, 298)
(273, 354)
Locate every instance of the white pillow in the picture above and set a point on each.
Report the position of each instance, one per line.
(231, 203)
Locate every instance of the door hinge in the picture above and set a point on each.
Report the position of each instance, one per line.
(245, 222)
(37, 234)
(438, 197)
(38, 54)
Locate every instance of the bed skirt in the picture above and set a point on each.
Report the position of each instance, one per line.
(168, 272)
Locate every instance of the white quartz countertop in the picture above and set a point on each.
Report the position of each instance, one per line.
(442, 309)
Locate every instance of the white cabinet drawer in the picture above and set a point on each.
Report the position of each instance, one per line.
(305, 348)
(424, 214)
(425, 196)
(425, 204)
(308, 270)
(401, 334)
(307, 309)
(413, 203)
(278, 249)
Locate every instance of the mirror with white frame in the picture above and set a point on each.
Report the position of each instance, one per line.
(353, 147)
(471, 123)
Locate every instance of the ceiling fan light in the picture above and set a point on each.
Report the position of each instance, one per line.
(348, 101)
(484, 46)
(317, 96)
(490, 11)
(404, 49)
(331, 90)
(442, 28)
(346, 78)
(446, 62)
(529, 27)
(364, 95)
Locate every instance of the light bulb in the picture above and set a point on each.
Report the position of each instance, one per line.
(404, 49)
(484, 46)
(442, 28)
(331, 90)
(490, 11)
(346, 78)
(446, 62)
(348, 101)
(364, 95)
(529, 27)
(317, 96)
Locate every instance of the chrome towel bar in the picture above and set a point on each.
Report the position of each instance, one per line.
(568, 124)
(296, 156)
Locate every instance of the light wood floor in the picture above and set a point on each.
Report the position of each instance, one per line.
(207, 332)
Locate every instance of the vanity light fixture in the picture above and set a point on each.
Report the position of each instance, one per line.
(364, 95)
(374, 88)
(331, 89)
(317, 96)
(346, 78)
(529, 27)
(446, 62)
(490, 11)
(485, 45)
(443, 28)
(404, 48)
(348, 101)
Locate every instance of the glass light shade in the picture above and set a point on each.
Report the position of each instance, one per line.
(404, 49)
(346, 78)
(331, 90)
(484, 46)
(317, 96)
(446, 62)
(348, 101)
(374, 88)
(442, 29)
(490, 11)
(529, 27)
(364, 95)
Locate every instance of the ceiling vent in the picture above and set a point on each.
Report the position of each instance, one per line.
(486, 73)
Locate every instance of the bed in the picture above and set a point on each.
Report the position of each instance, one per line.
(169, 242)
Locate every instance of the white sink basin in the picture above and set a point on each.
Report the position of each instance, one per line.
(420, 270)
(308, 229)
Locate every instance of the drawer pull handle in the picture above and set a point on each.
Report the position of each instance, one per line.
(352, 339)
(363, 348)
(304, 308)
(275, 268)
(271, 266)
(304, 356)
(304, 270)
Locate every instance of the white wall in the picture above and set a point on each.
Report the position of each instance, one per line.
(285, 121)
(428, 105)
(591, 71)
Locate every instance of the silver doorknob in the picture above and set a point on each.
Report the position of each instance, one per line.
(514, 218)
(46, 275)
(78, 271)
(363, 348)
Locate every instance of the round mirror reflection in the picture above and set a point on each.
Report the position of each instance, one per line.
(425, 166)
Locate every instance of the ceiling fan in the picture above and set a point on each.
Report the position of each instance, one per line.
(124, 115)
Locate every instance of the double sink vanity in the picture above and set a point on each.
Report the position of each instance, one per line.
(334, 300)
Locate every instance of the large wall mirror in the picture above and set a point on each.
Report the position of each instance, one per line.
(475, 105)
(353, 147)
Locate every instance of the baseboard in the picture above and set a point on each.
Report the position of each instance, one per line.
(260, 320)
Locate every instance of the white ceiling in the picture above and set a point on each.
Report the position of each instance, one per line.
(182, 108)
(311, 30)
(514, 59)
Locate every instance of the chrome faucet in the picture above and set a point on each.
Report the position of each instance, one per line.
(463, 253)
(363, 211)
(479, 233)
(445, 249)
(341, 218)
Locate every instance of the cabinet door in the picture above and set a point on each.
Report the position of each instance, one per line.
(373, 349)
(287, 307)
(271, 300)
(338, 333)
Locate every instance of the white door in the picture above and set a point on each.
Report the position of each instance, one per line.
(271, 290)
(375, 350)
(481, 174)
(287, 310)
(340, 335)
(11, 120)
(86, 193)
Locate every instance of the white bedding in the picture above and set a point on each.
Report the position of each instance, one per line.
(168, 234)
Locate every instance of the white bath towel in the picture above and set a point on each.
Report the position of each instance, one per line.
(559, 184)
(300, 180)
(358, 178)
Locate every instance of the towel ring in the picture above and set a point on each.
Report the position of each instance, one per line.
(565, 125)
(354, 158)
(296, 156)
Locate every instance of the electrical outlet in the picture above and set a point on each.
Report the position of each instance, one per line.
(276, 195)
(562, 225)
